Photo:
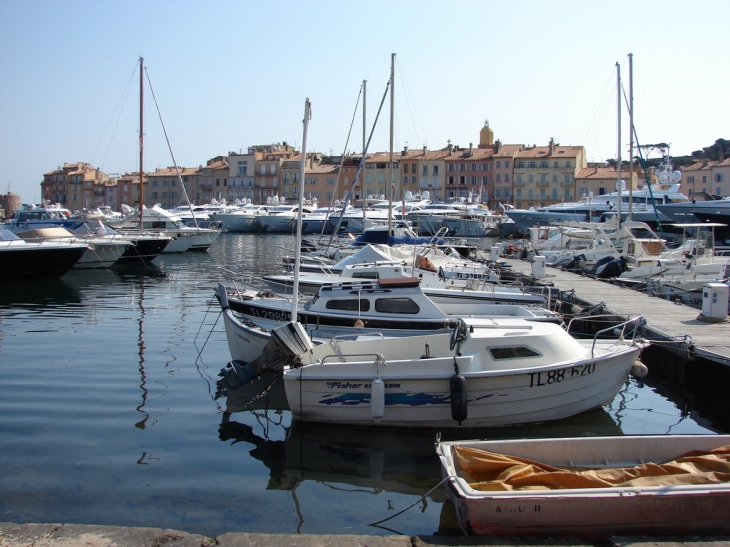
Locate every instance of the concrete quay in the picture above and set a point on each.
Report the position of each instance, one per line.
(79, 535)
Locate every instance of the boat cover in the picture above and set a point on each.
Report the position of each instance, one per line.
(490, 471)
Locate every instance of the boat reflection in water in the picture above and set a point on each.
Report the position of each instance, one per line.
(372, 460)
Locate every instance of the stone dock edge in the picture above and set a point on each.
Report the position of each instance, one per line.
(81, 535)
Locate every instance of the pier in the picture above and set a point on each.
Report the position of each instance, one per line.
(666, 321)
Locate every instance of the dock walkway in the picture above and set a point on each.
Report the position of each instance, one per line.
(665, 320)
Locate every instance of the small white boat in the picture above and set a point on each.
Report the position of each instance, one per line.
(485, 373)
(245, 219)
(590, 487)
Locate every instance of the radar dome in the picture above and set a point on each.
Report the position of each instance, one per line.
(408, 195)
(426, 194)
(676, 175)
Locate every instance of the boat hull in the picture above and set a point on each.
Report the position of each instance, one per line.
(341, 392)
(596, 512)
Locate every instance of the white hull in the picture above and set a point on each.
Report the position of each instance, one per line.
(417, 391)
(101, 255)
(590, 512)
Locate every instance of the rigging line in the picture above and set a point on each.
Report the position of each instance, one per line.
(119, 107)
(603, 101)
(195, 340)
(344, 152)
(407, 94)
(164, 130)
(362, 163)
(422, 498)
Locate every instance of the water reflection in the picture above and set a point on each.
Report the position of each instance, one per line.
(38, 293)
(373, 459)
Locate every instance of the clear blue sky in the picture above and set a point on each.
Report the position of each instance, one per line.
(231, 74)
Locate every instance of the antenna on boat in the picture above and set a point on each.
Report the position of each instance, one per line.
(619, 188)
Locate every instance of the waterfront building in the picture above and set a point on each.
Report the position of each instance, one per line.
(504, 186)
(467, 172)
(163, 186)
(544, 175)
(707, 176)
(76, 186)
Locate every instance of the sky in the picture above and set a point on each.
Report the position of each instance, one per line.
(230, 74)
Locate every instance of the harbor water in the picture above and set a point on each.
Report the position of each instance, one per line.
(108, 416)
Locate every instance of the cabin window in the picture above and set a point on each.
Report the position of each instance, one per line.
(513, 352)
(396, 305)
(350, 304)
(365, 275)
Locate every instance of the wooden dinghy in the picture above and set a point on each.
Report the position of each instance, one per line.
(590, 487)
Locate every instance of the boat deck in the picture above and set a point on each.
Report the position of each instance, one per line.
(666, 320)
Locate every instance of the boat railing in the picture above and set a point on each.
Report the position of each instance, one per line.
(246, 281)
(621, 331)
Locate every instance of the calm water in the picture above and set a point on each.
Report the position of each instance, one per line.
(107, 416)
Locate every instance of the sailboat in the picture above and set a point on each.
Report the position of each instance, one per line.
(156, 219)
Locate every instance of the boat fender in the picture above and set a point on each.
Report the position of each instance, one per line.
(639, 370)
(377, 399)
(458, 397)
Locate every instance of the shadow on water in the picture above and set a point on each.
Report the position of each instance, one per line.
(39, 293)
(372, 460)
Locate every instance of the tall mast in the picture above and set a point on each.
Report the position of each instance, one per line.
(364, 113)
(141, 140)
(298, 249)
(390, 164)
(631, 134)
(364, 144)
(618, 159)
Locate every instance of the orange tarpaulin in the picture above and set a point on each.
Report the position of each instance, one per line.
(491, 471)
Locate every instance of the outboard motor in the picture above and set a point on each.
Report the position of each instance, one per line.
(613, 267)
(288, 342)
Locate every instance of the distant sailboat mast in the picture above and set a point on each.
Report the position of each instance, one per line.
(298, 249)
(141, 140)
(619, 195)
(390, 169)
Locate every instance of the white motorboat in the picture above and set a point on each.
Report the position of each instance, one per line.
(485, 373)
(590, 487)
(476, 221)
(281, 219)
(102, 252)
(245, 219)
(185, 238)
(20, 259)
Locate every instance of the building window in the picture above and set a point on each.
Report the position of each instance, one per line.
(473, 166)
(506, 164)
(425, 170)
(462, 167)
(543, 164)
(567, 163)
(474, 180)
(369, 177)
(498, 177)
(718, 177)
(499, 164)
(242, 168)
(330, 181)
(462, 180)
(405, 167)
(520, 164)
(506, 177)
(555, 178)
(413, 168)
(555, 194)
(451, 167)
(435, 170)
(532, 165)
(451, 180)
(530, 178)
(381, 176)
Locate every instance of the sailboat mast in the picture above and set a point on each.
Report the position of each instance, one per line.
(618, 159)
(390, 164)
(364, 145)
(298, 249)
(141, 140)
(631, 134)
